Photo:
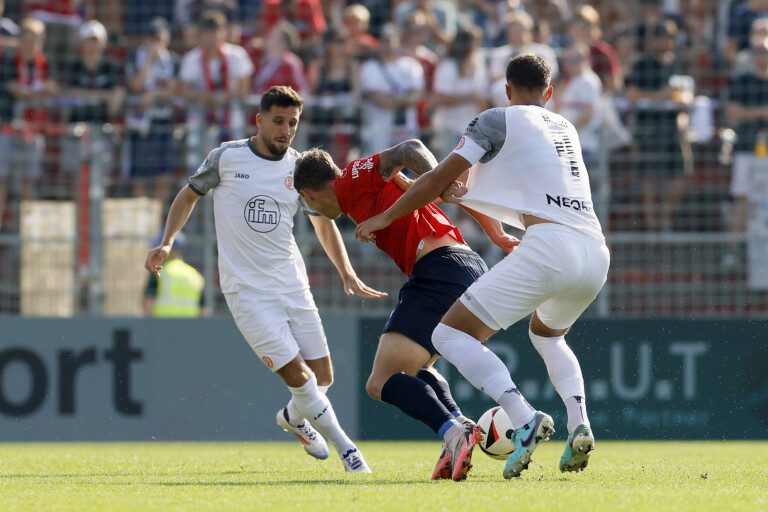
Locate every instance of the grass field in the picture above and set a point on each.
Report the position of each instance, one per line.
(634, 476)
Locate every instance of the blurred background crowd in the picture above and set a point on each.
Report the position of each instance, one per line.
(123, 99)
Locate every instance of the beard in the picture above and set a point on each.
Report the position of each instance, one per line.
(276, 151)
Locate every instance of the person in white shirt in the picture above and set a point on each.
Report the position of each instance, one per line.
(579, 100)
(526, 171)
(214, 79)
(460, 90)
(261, 270)
(392, 86)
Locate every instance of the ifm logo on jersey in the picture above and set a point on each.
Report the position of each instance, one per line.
(262, 214)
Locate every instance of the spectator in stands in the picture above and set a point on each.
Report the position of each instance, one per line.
(306, 15)
(333, 80)
(360, 44)
(214, 79)
(152, 72)
(440, 17)
(476, 13)
(460, 89)
(652, 13)
(9, 30)
(578, 99)
(519, 40)
(740, 26)
(758, 33)
(747, 111)
(276, 64)
(24, 88)
(412, 44)
(93, 80)
(63, 19)
(585, 29)
(135, 14)
(661, 126)
(94, 87)
(187, 14)
(624, 41)
(392, 86)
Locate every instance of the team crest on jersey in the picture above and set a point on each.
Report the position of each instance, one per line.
(289, 182)
(262, 214)
(268, 361)
(461, 143)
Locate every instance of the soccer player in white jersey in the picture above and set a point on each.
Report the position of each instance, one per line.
(525, 169)
(262, 273)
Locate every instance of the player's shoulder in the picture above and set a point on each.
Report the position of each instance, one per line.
(355, 167)
(493, 119)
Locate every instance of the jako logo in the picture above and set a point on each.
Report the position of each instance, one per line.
(262, 214)
(121, 355)
(242, 176)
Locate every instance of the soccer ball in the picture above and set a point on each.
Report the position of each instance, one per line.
(497, 433)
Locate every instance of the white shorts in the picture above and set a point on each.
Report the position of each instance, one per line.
(741, 173)
(279, 327)
(556, 271)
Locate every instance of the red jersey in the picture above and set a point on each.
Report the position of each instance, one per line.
(362, 193)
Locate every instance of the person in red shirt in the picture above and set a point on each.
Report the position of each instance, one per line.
(428, 248)
(305, 15)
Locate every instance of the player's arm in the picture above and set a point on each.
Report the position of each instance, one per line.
(494, 231)
(333, 245)
(206, 178)
(412, 154)
(482, 140)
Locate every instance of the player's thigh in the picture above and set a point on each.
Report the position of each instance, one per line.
(510, 291)
(563, 309)
(323, 370)
(306, 326)
(263, 322)
(398, 353)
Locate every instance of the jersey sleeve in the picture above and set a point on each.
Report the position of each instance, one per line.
(484, 136)
(207, 175)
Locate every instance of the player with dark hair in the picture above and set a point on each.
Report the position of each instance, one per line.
(428, 248)
(526, 171)
(262, 273)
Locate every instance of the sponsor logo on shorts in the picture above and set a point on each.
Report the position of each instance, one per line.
(262, 214)
(289, 182)
(242, 176)
(467, 296)
(267, 361)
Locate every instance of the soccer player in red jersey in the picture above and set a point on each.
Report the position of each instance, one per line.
(428, 248)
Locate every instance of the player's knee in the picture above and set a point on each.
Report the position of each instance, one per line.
(373, 387)
(439, 335)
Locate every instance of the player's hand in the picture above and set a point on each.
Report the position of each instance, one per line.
(365, 230)
(506, 243)
(454, 192)
(155, 259)
(354, 286)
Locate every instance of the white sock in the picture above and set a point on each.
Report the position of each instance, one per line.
(315, 406)
(484, 370)
(565, 373)
(295, 418)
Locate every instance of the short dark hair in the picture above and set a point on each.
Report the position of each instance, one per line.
(314, 169)
(281, 96)
(529, 71)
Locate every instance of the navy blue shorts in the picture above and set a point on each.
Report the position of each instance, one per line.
(439, 278)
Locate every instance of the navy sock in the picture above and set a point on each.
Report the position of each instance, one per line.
(441, 389)
(416, 399)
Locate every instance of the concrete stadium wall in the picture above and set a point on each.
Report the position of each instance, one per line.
(138, 379)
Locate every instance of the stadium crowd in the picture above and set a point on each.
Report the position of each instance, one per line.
(670, 96)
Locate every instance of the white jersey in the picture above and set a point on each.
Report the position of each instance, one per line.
(528, 161)
(254, 204)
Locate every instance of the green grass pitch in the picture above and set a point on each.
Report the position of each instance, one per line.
(632, 476)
